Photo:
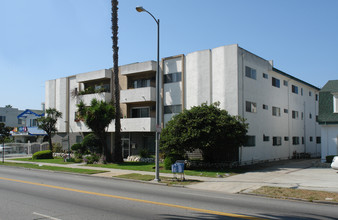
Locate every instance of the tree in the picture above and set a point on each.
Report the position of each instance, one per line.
(4, 132)
(117, 155)
(8, 106)
(97, 117)
(208, 128)
(48, 123)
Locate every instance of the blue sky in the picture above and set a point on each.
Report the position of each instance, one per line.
(48, 39)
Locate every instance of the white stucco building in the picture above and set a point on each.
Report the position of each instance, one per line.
(281, 110)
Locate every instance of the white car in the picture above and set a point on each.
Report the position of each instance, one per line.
(334, 163)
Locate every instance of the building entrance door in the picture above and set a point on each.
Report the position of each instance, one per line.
(125, 147)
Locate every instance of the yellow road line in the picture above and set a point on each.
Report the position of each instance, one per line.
(136, 200)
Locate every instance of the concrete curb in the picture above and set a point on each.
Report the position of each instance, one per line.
(290, 198)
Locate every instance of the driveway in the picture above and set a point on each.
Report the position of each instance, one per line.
(298, 174)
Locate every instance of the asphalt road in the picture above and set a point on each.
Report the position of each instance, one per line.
(31, 194)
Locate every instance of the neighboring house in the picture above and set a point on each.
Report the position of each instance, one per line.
(9, 117)
(28, 131)
(281, 110)
(328, 118)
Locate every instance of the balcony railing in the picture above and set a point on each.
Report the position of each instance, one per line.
(103, 96)
(145, 94)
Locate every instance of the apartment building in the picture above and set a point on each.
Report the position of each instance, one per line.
(8, 116)
(281, 110)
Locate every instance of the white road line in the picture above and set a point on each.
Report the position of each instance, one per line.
(45, 216)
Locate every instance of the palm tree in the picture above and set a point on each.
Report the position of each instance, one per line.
(117, 155)
(97, 117)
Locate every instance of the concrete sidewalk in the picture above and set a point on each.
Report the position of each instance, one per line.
(291, 174)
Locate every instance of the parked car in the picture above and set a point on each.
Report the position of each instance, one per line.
(8, 149)
(334, 163)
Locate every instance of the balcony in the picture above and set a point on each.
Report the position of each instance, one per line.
(145, 94)
(135, 125)
(136, 68)
(103, 96)
(94, 75)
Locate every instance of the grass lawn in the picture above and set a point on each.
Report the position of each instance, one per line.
(284, 193)
(167, 180)
(57, 160)
(151, 168)
(53, 168)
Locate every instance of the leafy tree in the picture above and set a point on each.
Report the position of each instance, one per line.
(4, 132)
(97, 117)
(8, 106)
(208, 128)
(48, 123)
(117, 156)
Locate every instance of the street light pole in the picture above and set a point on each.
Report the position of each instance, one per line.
(158, 99)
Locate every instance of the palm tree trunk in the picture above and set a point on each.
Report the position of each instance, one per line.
(117, 155)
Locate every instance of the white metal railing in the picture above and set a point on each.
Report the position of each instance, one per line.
(22, 149)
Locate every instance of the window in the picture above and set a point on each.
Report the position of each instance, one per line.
(20, 121)
(318, 140)
(251, 141)
(301, 91)
(311, 138)
(286, 138)
(302, 140)
(302, 116)
(172, 77)
(2, 118)
(277, 141)
(250, 106)
(266, 138)
(335, 103)
(286, 111)
(265, 107)
(275, 111)
(33, 122)
(285, 83)
(141, 83)
(310, 94)
(294, 89)
(310, 115)
(295, 140)
(316, 97)
(79, 139)
(275, 82)
(172, 109)
(295, 114)
(143, 112)
(249, 72)
(266, 76)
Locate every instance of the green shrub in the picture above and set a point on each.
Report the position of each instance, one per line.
(45, 154)
(329, 158)
(77, 147)
(92, 143)
(57, 148)
(144, 153)
(171, 159)
(92, 158)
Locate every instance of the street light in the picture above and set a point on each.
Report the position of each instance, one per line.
(158, 87)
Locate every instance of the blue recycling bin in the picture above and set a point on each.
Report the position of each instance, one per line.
(174, 168)
(180, 167)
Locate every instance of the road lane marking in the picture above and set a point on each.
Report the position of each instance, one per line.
(45, 216)
(136, 200)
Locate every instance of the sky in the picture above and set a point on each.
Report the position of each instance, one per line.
(41, 40)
